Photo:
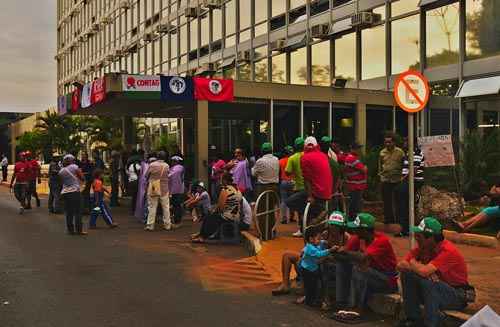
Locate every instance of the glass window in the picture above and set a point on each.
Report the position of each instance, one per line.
(149, 55)
(298, 66)
(230, 14)
(279, 68)
(217, 25)
(229, 73)
(193, 34)
(260, 11)
(442, 35)
(142, 57)
(483, 28)
(183, 39)
(380, 119)
(205, 30)
(405, 44)
(278, 7)
(440, 121)
(245, 36)
(343, 123)
(245, 14)
(173, 45)
(286, 123)
(316, 119)
(261, 70)
(403, 6)
(345, 57)
(261, 29)
(320, 69)
(245, 72)
(373, 52)
(297, 3)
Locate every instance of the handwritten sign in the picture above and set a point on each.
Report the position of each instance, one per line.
(438, 150)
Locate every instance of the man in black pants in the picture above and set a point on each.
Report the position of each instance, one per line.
(115, 179)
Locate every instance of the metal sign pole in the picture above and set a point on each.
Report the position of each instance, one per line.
(411, 177)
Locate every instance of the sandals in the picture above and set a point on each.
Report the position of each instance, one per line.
(347, 317)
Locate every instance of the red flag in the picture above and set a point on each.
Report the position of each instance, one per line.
(98, 93)
(215, 90)
(75, 100)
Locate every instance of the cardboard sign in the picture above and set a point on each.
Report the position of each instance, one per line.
(438, 150)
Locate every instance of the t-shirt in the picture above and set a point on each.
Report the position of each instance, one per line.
(69, 179)
(316, 170)
(231, 210)
(204, 201)
(217, 169)
(283, 176)
(381, 253)
(97, 185)
(449, 262)
(133, 171)
(246, 212)
(312, 254)
(293, 168)
(34, 169)
(22, 171)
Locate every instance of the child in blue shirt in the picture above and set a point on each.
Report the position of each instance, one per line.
(309, 264)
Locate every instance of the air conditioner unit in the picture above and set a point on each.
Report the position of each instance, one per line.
(244, 56)
(212, 4)
(164, 28)
(191, 12)
(148, 37)
(365, 18)
(125, 4)
(106, 20)
(278, 45)
(320, 31)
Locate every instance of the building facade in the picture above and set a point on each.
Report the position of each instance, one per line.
(364, 43)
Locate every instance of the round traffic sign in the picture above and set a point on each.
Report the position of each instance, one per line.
(411, 91)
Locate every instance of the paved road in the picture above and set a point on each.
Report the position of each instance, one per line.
(123, 277)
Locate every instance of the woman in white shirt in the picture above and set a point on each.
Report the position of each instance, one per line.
(133, 173)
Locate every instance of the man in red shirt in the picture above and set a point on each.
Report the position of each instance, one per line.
(433, 274)
(34, 175)
(356, 174)
(367, 264)
(21, 178)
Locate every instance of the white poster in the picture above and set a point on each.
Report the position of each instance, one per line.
(86, 95)
(438, 150)
(141, 83)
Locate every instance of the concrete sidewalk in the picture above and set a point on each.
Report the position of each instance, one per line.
(483, 263)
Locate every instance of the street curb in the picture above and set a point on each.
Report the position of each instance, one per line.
(251, 243)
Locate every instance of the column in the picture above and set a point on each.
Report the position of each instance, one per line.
(360, 124)
(201, 141)
(128, 133)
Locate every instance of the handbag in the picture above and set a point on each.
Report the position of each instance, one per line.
(154, 187)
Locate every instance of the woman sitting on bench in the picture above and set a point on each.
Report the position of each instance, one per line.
(227, 210)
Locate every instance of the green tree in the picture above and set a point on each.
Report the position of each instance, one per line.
(483, 28)
(31, 141)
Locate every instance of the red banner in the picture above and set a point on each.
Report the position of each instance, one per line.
(215, 90)
(75, 100)
(98, 93)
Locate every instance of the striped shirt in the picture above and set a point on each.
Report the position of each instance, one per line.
(418, 162)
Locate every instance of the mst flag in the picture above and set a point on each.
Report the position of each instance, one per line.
(98, 91)
(215, 90)
(75, 100)
(174, 88)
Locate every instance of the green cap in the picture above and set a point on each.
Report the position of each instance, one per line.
(299, 142)
(326, 139)
(288, 149)
(337, 218)
(363, 220)
(428, 225)
(266, 147)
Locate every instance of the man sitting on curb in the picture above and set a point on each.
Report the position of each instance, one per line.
(367, 265)
(433, 274)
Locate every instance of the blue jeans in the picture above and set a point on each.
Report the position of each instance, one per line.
(286, 189)
(353, 286)
(103, 210)
(435, 296)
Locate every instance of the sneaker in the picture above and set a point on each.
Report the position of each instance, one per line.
(149, 228)
(168, 227)
(297, 233)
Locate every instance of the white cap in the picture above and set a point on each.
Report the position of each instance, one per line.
(69, 157)
(311, 140)
(176, 158)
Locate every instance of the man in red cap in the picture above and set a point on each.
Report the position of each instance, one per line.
(21, 178)
(34, 175)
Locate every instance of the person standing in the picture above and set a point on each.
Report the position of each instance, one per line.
(403, 190)
(356, 178)
(433, 274)
(294, 170)
(87, 168)
(54, 185)
(133, 173)
(34, 177)
(176, 188)
(5, 167)
(389, 170)
(266, 170)
(239, 168)
(115, 179)
(157, 176)
(72, 177)
(286, 185)
(21, 179)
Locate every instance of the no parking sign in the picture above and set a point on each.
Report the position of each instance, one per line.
(411, 91)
